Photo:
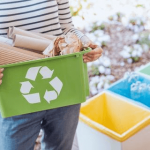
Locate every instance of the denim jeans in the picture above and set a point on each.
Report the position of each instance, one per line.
(58, 125)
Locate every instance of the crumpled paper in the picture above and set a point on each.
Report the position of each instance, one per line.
(62, 45)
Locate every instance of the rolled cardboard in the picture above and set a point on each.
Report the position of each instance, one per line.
(12, 31)
(4, 45)
(30, 43)
(9, 32)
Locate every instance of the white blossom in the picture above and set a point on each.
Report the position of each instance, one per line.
(93, 90)
(129, 61)
(105, 61)
(101, 69)
(125, 54)
(96, 62)
(145, 47)
(110, 77)
(106, 85)
(134, 53)
(135, 37)
(107, 71)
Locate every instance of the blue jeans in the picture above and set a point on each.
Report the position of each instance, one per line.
(58, 125)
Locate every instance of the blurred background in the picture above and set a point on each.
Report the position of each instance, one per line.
(121, 28)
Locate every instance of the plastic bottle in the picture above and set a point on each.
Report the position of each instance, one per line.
(138, 92)
(134, 91)
(134, 77)
(142, 92)
(126, 86)
(129, 79)
(147, 97)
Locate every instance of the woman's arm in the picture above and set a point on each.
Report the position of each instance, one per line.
(65, 20)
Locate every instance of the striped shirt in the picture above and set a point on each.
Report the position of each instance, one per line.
(43, 16)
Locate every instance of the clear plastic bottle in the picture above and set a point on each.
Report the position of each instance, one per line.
(138, 83)
(134, 91)
(126, 77)
(126, 86)
(142, 92)
(129, 79)
(138, 91)
(134, 77)
(147, 98)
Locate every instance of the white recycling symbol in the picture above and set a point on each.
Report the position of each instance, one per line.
(46, 74)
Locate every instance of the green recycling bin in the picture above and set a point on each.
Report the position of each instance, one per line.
(145, 70)
(43, 84)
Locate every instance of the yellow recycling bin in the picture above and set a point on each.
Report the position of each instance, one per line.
(107, 122)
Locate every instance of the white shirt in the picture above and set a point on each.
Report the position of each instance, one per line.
(43, 16)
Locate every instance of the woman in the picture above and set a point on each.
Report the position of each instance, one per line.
(58, 125)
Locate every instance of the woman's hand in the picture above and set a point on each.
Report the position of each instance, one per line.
(1, 75)
(94, 54)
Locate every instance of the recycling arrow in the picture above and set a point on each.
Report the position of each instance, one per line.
(32, 73)
(26, 87)
(46, 73)
(50, 95)
(56, 84)
(33, 98)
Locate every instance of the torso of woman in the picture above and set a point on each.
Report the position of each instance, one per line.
(43, 16)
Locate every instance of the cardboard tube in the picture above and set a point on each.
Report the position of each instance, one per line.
(12, 31)
(30, 43)
(3, 45)
(9, 32)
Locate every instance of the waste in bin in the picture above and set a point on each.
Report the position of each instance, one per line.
(107, 122)
(43, 84)
(118, 88)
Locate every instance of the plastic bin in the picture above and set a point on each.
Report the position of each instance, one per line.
(145, 70)
(108, 122)
(43, 84)
(118, 88)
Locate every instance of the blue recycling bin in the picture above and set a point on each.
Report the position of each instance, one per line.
(120, 88)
